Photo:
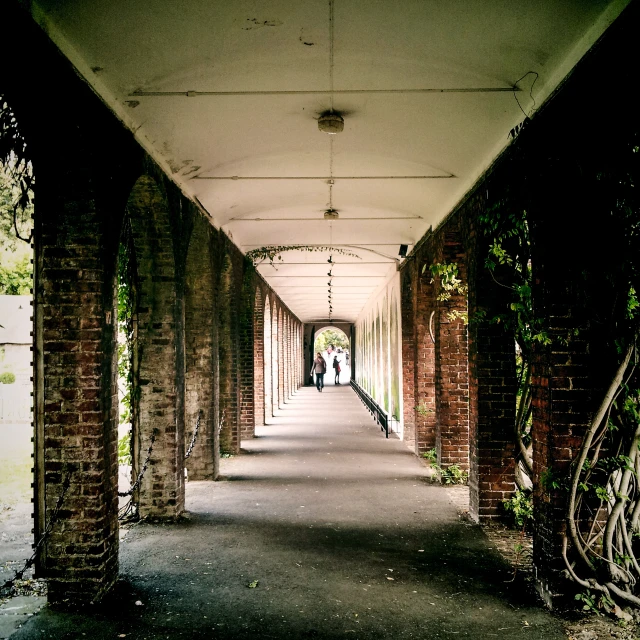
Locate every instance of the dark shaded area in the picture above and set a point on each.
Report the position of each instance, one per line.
(341, 530)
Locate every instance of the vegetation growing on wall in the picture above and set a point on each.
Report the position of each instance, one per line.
(273, 252)
(602, 488)
(126, 306)
(16, 207)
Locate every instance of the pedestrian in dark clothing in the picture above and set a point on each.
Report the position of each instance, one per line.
(319, 367)
(336, 366)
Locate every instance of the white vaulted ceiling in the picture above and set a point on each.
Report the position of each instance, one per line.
(226, 96)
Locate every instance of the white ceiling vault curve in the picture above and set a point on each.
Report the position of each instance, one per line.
(225, 96)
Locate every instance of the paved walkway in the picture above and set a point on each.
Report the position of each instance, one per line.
(321, 528)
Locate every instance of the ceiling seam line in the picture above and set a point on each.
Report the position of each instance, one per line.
(192, 94)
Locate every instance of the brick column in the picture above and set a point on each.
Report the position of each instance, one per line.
(158, 366)
(424, 386)
(275, 365)
(286, 360)
(452, 370)
(76, 383)
(247, 358)
(228, 358)
(281, 363)
(258, 359)
(201, 355)
(492, 382)
(407, 313)
(268, 365)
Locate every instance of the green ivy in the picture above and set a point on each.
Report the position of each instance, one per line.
(271, 252)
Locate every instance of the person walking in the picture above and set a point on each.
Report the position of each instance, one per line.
(336, 367)
(319, 367)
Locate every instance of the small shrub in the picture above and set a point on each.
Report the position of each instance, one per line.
(520, 507)
(423, 410)
(7, 377)
(431, 456)
(453, 474)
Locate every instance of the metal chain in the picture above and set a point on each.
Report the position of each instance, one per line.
(5, 589)
(193, 439)
(136, 484)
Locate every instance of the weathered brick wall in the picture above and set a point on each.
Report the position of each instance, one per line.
(228, 357)
(275, 356)
(286, 359)
(268, 359)
(258, 358)
(201, 354)
(425, 357)
(452, 370)
(75, 300)
(247, 355)
(407, 312)
(157, 370)
(90, 173)
(75, 392)
(281, 359)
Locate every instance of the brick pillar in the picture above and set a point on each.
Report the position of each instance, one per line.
(275, 365)
(258, 359)
(247, 358)
(268, 365)
(407, 313)
(572, 294)
(281, 363)
(492, 388)
(76, 380)
(201, 355)
(286, 343)
(424, 386)
(452, 370)
(292, 357)
(228, 359)
(158, 368)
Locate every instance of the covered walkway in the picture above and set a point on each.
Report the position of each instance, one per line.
(339, 530)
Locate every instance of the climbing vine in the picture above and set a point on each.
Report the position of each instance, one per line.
(273, 252)
(18, 178)
(504, 223)
(126, 305)
(602, 487)
(450, 284)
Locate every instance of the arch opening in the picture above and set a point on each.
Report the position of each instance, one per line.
(17, 339)
(335, 347)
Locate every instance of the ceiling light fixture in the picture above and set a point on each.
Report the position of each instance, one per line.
(331, 122)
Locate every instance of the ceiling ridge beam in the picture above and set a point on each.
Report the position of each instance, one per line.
(139, 93)
(424, 177)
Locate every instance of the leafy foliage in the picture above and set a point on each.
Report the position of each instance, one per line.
(7, 377)
(16, 178)
(333, 337)
(16, 277)
(124, 449)
(431, 456)
(15, 255)
(520, 506)
(450, 284)
(271, 252)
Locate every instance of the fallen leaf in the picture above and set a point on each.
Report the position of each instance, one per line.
(253, 584)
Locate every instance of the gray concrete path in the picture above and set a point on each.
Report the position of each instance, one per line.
(321, 528)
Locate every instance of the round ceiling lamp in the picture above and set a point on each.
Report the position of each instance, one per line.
(331, 123)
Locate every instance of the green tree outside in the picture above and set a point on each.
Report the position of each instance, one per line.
(331, 336)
